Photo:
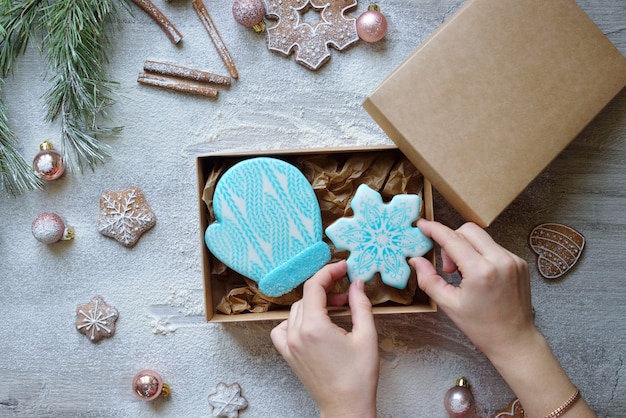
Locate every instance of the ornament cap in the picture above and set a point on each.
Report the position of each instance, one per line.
(68, 234)
(462, 382)
(373, 7)
(259, 27)
(46, 145)
(166, 391)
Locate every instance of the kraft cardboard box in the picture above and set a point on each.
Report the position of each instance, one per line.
(494, 95)
(216, 287)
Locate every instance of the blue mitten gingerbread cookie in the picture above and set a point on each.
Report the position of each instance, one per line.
(268, 225)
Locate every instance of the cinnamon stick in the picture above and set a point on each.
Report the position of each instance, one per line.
(170, 30)
(176, 85)
(205, 17)
(173, 70)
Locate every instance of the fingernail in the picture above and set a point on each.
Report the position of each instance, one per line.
(360, 284)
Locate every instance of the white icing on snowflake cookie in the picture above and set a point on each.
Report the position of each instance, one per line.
(310, 41)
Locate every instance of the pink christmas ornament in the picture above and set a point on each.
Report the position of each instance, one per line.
(148, 385)
(49, 228)
(48, 163)
(250, 13)
(459, 400)
(371, 26)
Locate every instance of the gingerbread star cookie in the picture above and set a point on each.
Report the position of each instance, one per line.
(310, 41)
(125, 215)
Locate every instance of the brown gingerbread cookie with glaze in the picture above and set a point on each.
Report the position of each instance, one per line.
(558, 246)
(227, 401)
(310, 42)
(125, 215)
(96, 319)
(514, 410)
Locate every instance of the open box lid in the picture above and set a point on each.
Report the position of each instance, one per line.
(494, 95)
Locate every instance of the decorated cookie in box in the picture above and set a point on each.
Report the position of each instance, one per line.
(380, 237)
(268, 225)
(269, 216)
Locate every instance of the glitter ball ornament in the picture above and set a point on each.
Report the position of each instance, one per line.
(49, 228)
(250, 13)
(459, 400)
(371, 26)
(48, 163)
(148, 385)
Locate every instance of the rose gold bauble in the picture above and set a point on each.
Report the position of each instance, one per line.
(371, 26)
(148, 385)
(48, 163)
(459, 400)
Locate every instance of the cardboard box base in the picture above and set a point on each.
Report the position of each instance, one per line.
(215, 288)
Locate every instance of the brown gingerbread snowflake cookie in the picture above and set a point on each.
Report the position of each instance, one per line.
(310, 41)
(227, 401)
(96, 319)
(125, 215)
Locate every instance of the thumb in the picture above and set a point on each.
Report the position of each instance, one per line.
(279, 337)
(361, 309)
(431, 283)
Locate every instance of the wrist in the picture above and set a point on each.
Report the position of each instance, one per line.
(346, 409)
(534, 374)
(526, 346)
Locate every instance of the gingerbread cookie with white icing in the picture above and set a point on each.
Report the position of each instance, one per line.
(310, 41)
(125, 215)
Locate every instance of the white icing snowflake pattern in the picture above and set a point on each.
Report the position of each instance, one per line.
(125, 215)
(96, 319)
(227, 401)
(380, 237)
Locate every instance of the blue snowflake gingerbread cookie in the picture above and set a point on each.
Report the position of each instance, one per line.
(380, 237)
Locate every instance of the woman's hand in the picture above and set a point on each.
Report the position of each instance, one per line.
(492, 304)
(338, 368)
(492, 307)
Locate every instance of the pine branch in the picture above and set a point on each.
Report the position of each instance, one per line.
(76, 40)
(16, 175)
(18, 22)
